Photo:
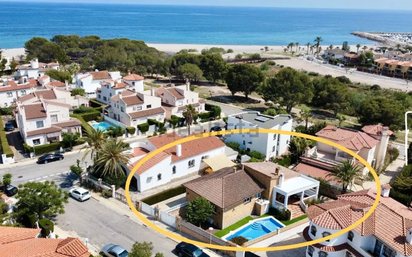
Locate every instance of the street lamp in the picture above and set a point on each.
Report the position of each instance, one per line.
(406, 136)
(210, 235)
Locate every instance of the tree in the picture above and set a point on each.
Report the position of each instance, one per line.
(61, 76)
(189, 115)
(144, 249)
(78, 91)
(42, 199)
(73, 68)
(115, 131)
(305, 114)
(410, 154)
(111, 156)
(7, 179)
(296, 45)
(266, 48)
(291, 45)
(297, 146)
(199, 210)
(190, 72)
(331, 93)
(95, 139)
(362, 58)
(78, 171)
(213, 67)
(13, 64)
(244, 78)
(289, 88)
(69, 138)
(345, 173)
(33, 46)
(345, 46)
(357, 47)
(238, 56)
(307, 47)
(318, 40)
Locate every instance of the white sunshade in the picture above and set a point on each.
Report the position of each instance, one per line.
(297, 184)
(219, 162)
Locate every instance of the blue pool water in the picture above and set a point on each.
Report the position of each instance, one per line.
(257, 229)
(103, 126)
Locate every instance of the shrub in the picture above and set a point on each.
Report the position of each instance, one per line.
(229, 51)
(281, 66)
(99, 109)
(285, 161)
(90, 116)
(257, 155)
(239, 240)
(281, 215)
(76, 170)
(157, 198)
(313, 201)
(80, 141)
(315, 74)
(233, 145)
(106, 193)
(7, 110)
(204, 115)
(375, 87)
(131, 130)
(255, 56)
(393, 154)
(94, 103)
(270, 112)
(100, 119)
(46, 226)
(42, 149)
(239, 56)
(215, 112)
(343, 79)
(271, 63)
(144, 127)
(28, 220)
(84, 109)
(402, 198)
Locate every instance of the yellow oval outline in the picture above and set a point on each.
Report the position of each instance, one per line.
(252, 249)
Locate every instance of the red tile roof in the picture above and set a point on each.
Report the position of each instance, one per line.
(375, 130)
(146, 113)
(119, 85)
(315, 172)
(43, 77)
(164, 139)
(351, 139)
(100, 75)
(58, 104)
(56, 84)
(52, 129)
(150, 163)
(175, 93)
(34, 111)
(66, 124)
(12, 234)
(132, 100)
(13, 86)
(139, 151)
(46, 94)
(124, 93)
(26, 97)
(133, 77)
(389, 222)
(269, 168)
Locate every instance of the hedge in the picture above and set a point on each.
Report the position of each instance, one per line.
(46, 226)
(204, 115)
(144, 127)
(83, 109)
(94, 103)
(159, 124)
(99, 109)
(7, 110)
(29, 220)
(42, 149)
(157, 198)
(89, 116)
(131, 130)
(85, 125)
(400, 197)
(214, 110)
(5, 147)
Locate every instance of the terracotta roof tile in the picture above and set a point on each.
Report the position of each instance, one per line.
(269, 168)
(133, 77)
(66, 124)
(119, 85)
(164, 139)
(100, 75)
(35, 111)
(57, 84)
(146, 113)
(315, 172)
(175, 93)
(132, 100)
(43, 77)
(27, 97)
(124, 93)
(225, 188)
(51, 102)
(183, 108)
(52, 129)
(71, 247)
(46, 94)
(351, 139)
(12, 234)
(13, 86)
(139, 151)
(375, 130)
(150, 163)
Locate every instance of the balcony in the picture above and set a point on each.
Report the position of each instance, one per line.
(330, 158)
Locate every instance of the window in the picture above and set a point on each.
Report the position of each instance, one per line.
(174, 169)
(133, 83)
(110, 94)
(159, 176)
(148, 106)
(9, 94)
(5, 104)
(39, 124)
(325, 234)
(98, 96)
(121, 109)
(36, 141)
(134, 108)
(54, 118)
(310, 250)
(274, 148)
(187, 101)
(378, 247)
(313, 230)
(247, 200)
(23, 92)
(322, 254)
(388, 252)
(274, 137)
(191, 163)
(244, 142)
(258, 195)
(104, 98)
(107, 86)
(348, 254)
(138, 108)
(149, 179)
(350, 236)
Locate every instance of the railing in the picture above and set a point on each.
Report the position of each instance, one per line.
(303, 206)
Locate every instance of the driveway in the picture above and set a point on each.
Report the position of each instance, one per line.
(14, 139)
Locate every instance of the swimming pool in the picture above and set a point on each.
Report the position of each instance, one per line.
(103, 126)
(256, 228)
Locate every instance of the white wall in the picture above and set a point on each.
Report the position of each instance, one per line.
(5, 99)
(138, 85)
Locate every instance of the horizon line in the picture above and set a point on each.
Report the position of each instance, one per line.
(190, 5)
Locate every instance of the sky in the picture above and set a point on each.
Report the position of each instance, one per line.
(340, 4)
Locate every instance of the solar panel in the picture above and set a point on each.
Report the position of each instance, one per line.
(262, 119)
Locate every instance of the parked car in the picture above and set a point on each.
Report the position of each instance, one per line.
(9, 126)
(10, 190)
(112, 250)
(80, 194)
(189, 250)
(215, 128)
(50, 158)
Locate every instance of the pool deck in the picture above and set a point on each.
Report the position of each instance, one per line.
(281, 236)
(249, 224)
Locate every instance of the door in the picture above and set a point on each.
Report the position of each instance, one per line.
(378, 248)
(76, 194)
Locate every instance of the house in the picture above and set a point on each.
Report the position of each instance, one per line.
(43, 121)
(175, 99)
(251, 190)
(35, 69)
(11, 90)
(334, 53)
(392, 54)
(350, 58)
(90, 81)
(172, 163)
(56, 95)
(134, 81)
(133, 108)
(387, 232)
(270, 145)
(23, 242)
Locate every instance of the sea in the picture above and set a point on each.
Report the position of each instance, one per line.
(20, 21)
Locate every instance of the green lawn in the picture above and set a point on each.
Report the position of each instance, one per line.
(244, 221)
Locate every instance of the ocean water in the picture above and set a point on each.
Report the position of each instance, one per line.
(21, 21)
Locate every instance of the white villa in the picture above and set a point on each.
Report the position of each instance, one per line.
(91, 81)
(43, 121)
(172, 163)
(270, 145)
(387, 232)
(371, 144)
(114, 87)
(35, 69)
(133, 108)
(174, 99)
(56, 95)
(11, 90)
(334, 53)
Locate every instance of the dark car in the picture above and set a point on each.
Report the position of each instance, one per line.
(50, 158)
(9, 126)
(189, 250)
(10, 190)
(215, 128)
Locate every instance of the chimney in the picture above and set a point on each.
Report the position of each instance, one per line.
(335, 128)
(277, 172)
(120, 95)
(187, 85)
(234, 169)
(409, 236)
(128, 72)
(281, 179)
(67, 84)
(152, 91)
(386, 189)
(385, 131)
(179, 150)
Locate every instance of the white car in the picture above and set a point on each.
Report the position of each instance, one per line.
(80, 194)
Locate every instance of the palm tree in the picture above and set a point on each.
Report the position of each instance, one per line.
(365, 48)
(291, 45)
(305, 114)
(357, 47)
(297, 45)
(346, 173)
(285, 49)
(111, 157)
(307, 47)
(331, 47)
(95, 139)
(189, 115)
(318, 40)
(311, 49)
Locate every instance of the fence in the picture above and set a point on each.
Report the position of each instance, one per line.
(147, 209)
(168, 219)
(114, 122)
(176, 207)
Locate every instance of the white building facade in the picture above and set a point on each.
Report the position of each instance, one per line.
(91, 81)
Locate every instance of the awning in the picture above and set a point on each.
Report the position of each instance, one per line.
(219, 162)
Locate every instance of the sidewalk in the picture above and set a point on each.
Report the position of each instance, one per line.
(61, 234)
